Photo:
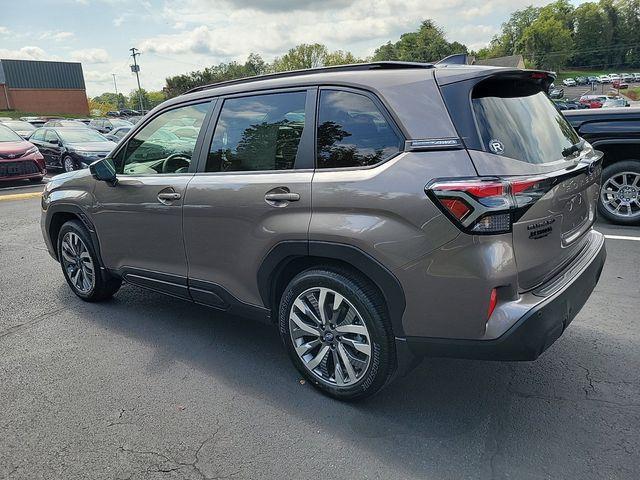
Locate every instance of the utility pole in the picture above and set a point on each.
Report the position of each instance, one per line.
(135, 68)
(115, 86)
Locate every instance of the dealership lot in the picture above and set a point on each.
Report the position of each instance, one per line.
(147, 386)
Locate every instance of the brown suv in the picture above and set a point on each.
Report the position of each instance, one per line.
(376, 213)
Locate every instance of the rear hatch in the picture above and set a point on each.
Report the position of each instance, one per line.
(551, 176)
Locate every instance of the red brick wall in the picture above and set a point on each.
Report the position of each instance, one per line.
(3, 97)
(48, 101)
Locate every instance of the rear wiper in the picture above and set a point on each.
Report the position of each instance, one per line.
(576, 147)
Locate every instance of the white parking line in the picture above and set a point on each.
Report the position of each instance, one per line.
(622, 237)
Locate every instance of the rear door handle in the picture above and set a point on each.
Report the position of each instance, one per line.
(282, 197)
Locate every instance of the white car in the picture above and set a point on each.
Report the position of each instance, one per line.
(627, 77)
(636, 77)
(569, 82)
(613, 77)
(604, 79)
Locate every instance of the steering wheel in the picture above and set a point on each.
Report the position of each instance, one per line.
(175, 162)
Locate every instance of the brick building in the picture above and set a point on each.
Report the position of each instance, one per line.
(42, 87)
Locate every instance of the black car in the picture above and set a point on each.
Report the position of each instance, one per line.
(70, 148)
(616, 132)
(556, 92)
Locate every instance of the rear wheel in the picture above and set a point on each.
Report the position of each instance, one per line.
(337, 332)
(81, 266)
(619, 200)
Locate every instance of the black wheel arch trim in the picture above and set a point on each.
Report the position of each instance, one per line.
(284, 252)
(78, 212)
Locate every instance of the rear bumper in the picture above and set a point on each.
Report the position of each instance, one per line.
(535, 331)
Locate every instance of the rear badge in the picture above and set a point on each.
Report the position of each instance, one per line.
(540, 229)
(496, 146)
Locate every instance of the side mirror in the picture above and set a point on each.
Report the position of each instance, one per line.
(104, 170)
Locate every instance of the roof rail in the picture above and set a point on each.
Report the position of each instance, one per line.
(336, 68)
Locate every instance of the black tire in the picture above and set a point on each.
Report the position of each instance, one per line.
(105, 285)
(609, 172)
(368, 302)
(36, 179)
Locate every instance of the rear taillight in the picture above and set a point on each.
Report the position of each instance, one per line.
(487, 205)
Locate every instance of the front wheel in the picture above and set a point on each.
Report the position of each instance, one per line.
(81, 265)
(619, 200)
(337, 332)
(68, 164)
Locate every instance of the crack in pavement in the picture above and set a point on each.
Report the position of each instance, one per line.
(32, 321)
(180, 465)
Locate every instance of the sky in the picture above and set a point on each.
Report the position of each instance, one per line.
(178, 36)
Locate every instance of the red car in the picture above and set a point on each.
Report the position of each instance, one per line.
(619, 85)
(19, 159)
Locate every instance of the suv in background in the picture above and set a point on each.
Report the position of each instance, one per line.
(375, 213)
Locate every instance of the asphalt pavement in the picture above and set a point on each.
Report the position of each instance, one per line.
(150, 387)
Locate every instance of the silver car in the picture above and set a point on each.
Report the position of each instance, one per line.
(375, 214)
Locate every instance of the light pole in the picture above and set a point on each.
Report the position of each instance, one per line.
(115, 86)
(135, 68)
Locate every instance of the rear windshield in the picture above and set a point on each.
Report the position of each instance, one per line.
(8, 135)
(517, 120)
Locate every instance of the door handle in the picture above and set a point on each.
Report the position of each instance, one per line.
(166, 197)
(282, 197)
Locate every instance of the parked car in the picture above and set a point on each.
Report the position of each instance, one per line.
(615, 103)
(592, 79)
(556, 93)
(415, 243)
(616, 132)
(64, 123)
(636, 77)
(24, 129)
(117, 134)
(128, 112)
(569, 82)
(604, 79)
(70, 148)
(593, 101)
(619, 84)
(627, 77)
(35, 121)
(613, 77)
(19, 159)
(105, 125)
(581, 80)
(86, 121)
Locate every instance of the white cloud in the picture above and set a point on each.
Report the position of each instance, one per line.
(4, 30)
(56, 35)
(26, 53)
(95, 76)
(91, 55)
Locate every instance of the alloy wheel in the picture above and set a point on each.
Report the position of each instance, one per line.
(620, 194)
(330, 336)
(77, 263)
(68, 165)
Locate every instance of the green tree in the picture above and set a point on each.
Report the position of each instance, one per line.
(428, 44)
(591, 28)
(547, 42)
(301, 57)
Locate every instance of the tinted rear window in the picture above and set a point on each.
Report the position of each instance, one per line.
(517, 120)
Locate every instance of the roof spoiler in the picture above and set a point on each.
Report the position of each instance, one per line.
(455, 59)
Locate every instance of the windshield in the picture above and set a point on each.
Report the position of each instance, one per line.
(81, 135)
(20, 126)
(517, 120)
(8, 135)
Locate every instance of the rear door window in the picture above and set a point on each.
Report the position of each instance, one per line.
(260, 132)
(352, 131)
(517, 120)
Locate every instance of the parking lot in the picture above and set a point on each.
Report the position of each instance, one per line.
(146, 386)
